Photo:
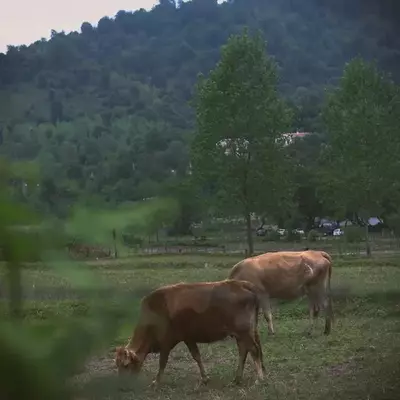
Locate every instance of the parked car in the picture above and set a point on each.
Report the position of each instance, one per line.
(261, 232)
(338, 232)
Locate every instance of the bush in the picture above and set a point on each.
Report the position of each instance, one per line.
(313, 235)
(272, 236)
(354, 234)
(131, 240)
(293, 236)
(393, 222)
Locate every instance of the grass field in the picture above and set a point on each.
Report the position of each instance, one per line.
(359, 360)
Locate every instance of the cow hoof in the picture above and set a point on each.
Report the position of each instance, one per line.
(202, 383)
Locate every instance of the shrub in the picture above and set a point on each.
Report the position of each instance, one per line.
(354, 234)
(293, 236)
(132, 240)
(313, 235)
(272, 236)
(393, 222)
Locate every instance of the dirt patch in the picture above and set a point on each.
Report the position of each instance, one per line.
(345, 368)
(96, 367)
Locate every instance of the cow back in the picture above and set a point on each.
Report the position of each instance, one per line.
(202, 312)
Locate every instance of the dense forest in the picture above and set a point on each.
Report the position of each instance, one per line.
(106, 112)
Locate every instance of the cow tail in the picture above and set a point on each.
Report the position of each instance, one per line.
(330, 314)
(257, 298)
(330, 305)
(256, 309)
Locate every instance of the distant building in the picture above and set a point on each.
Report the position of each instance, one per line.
(291, 136)
(238, 146)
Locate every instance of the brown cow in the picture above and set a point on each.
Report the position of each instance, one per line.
(202, 312)
(289, 275)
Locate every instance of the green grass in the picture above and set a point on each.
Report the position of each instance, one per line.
(359, 360)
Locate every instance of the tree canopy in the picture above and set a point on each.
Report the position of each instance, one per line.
(238, 148)
(105, 112)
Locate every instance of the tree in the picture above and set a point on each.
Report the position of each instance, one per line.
(240, 118)
(190, 206)
(361, 160)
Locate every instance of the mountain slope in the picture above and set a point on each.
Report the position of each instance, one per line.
(106, 112)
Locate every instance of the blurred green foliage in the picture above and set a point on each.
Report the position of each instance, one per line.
(354, 234)
(39, 366)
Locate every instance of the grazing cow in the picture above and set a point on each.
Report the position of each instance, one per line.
(289, 275)
(202, 312)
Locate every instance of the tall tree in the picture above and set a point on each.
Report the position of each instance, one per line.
(361, 161)
(238, 146)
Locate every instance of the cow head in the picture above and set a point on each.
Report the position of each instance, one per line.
(126, 360)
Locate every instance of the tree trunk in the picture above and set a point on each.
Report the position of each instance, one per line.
(114, 233)
(367, 243)
(249, 233)
(310, 223)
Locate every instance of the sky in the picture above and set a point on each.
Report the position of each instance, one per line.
(24, 21)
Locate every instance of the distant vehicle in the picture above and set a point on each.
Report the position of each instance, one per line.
(338, 232)
(261, 232)
(281, 232)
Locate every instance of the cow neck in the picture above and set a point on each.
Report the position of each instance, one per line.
(139, 343)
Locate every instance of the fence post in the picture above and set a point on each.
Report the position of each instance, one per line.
(114, 234)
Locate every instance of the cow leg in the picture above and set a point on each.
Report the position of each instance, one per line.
(242, 359)
(257, 338)
(164, 354)
(248, 344)
(313, 311)
(314, 306)
(266, 307)
(256, 354)
(194, 351)
(320, 299)
(328, 314)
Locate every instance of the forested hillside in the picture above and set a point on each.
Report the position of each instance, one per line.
(106, 111)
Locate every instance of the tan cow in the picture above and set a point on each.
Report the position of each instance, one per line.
(202, 312)
(289, 275)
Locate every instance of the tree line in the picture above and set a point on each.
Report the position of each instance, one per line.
(105, 115)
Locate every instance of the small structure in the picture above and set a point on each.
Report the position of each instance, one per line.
(291, 136)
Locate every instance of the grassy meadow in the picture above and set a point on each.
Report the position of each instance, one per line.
(359, 360)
